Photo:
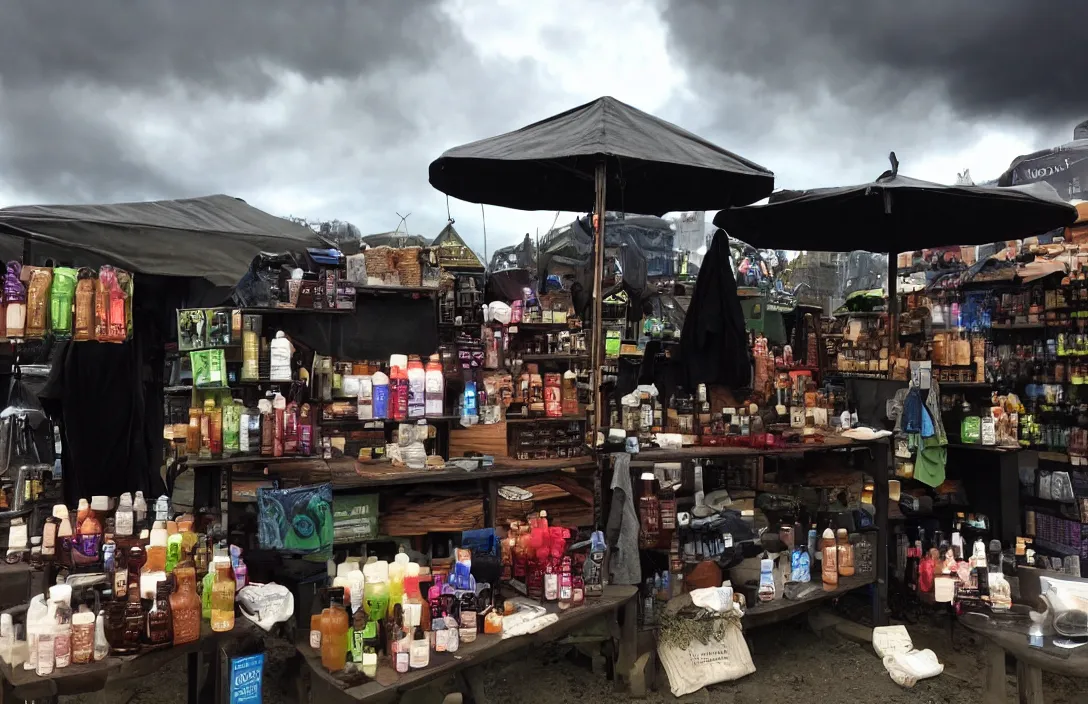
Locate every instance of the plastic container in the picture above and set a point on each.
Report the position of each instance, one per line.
(376, 590)
(365, 399)
(280, 358)
(417, 388)
(435, 387)
(380, 383)
(398, 387)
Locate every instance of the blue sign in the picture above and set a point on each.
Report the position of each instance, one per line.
(246, 674)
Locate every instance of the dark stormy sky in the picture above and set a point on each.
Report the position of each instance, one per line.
(334, 108)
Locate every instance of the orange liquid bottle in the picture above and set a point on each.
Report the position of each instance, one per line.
(334, 632)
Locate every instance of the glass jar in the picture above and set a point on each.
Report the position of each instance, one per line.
(185, 607)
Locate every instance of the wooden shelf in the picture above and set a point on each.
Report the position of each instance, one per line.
(386, 685)
(570, 357)
(545, 419)
(378, 474)
(698, 452)
(419, 290)
(780, 609)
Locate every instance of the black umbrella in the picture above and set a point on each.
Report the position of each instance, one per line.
(604, 155)
(653, 166)
(897, 214)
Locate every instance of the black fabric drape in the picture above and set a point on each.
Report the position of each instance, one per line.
(96, 394)
(714, 344)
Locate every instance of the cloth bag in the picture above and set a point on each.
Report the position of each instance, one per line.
(720, 655)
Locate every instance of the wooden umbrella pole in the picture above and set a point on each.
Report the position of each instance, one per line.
(597, 336)
(893, 307)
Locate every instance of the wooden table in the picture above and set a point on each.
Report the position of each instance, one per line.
(766, 613)
(20, 684)
(387, 687)
(1031, 662)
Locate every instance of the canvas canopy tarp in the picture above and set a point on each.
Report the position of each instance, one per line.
(213, 237)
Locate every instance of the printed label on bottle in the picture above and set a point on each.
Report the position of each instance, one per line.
(402, 661)
(468, 626)
(62, 649)
(124, 523)
(86, 546)
(315, 639)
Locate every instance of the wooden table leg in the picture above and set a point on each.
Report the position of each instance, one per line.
(993, 685)
(1029, 683)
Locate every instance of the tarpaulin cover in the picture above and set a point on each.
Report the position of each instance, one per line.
(1065, 168)
(572, 247)
(897, 214)
(516, 256)
(213, 237)
(652, 165)
(399, 240)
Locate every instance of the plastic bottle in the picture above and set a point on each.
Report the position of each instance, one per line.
(466, 601)
(124, 518)
(420, 654)
(396, 577)
(435, 384)
(46, 655)
(413, 599)
(380, 383)
(280, 358)
(830, 569)
(365, 399)
(223, 598)
(64, 534)
(61, 597)
(90, 537)
(101, 645)
(82, 637)
(398, 387)
(82, 511)
(844, 553)
(334, 631)
(341, 581)
(376, 590)
(139, 512)
(417, 388)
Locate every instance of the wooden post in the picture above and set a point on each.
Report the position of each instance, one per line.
(993, 683)
(1029, 683)
(879, 464)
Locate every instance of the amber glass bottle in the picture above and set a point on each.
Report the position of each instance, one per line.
(186, 607)
(135, 621)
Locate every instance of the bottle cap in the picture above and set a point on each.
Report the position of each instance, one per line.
(343, 569)
(60, 511)
(60, 592)
(100, 503)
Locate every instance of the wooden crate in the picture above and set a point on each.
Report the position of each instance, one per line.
(485, 439)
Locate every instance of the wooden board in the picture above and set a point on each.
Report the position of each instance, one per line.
(766, 613)
(483, 439)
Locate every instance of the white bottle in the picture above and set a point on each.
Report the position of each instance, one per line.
(46, 658)
(125, 518)
(417, 389)
(36, 615)
(280, 358)
(436, 388)
(101, 645)
(139, 511)
(162, 508)
(365, 399)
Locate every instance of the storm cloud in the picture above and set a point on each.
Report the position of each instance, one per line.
(865, 77)
(334, 108)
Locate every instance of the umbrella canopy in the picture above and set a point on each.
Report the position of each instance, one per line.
(653, 166)
(897, 214)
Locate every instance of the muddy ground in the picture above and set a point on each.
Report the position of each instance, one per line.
(791, 661)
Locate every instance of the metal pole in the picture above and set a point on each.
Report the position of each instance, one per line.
(597, 337)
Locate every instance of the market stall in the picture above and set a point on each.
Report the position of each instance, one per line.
(951, 342)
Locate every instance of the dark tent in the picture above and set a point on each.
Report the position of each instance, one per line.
(653, 166)
(1064, 167)
(517, 256)
(213, 237)
(571, 248)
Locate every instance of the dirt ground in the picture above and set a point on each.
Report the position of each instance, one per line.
(791, 661)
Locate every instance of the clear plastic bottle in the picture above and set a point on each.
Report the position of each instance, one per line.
(419, 656)
(223, 598)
